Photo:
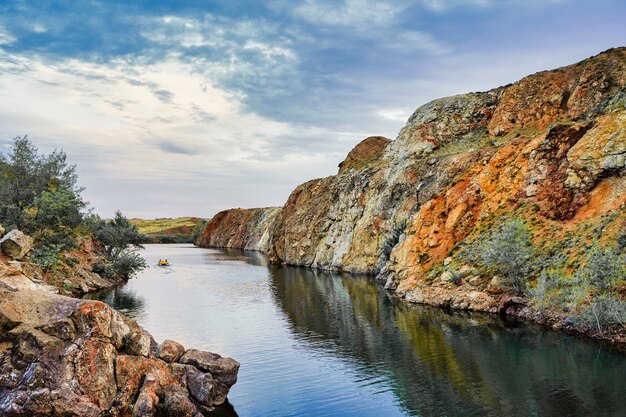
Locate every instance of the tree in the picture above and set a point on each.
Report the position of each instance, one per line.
(120, 240)
(117, 234)
(25, 175)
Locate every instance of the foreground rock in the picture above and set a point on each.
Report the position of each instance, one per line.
(64, 356)
(16, 244)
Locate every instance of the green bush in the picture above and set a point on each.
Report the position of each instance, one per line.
(603, 268)
(198, 229)
(544, 294)
(126, 263)
(390, 242)
(604, 310)
(508, 252)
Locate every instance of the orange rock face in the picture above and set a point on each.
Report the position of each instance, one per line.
(71, 357)
(550, 149)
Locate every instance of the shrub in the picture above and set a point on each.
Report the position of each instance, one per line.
(126, 263)
(546, 293)
(198, 229)
(508, 252)
(604, 310)
(390, 242)
(603, 268)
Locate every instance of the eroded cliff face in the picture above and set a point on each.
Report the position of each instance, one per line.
(71, 357)
(549, 149)
(240, 228)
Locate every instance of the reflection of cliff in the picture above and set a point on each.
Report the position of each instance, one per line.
(440, 363)
(124, 301)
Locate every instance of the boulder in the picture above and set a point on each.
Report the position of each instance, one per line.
(63, 356)
(204, 389)
(223, 369)
(16, 244)
(2, 230)
(170, 351)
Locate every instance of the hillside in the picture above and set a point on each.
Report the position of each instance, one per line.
(168, 230)
(510, 200)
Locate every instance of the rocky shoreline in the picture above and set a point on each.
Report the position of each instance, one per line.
(547, 152)
(65, 356)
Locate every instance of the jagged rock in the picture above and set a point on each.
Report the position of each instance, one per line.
(222, 369)
(204, 388)
(63, 356)
(170, 351)
(546, 140)
(16, 244)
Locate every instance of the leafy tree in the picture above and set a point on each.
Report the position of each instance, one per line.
(25, 175)
(198, 229)
(120, 240)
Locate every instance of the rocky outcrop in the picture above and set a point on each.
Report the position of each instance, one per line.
(553, 141)
(16, 244)
(71, 357)
(240, 228)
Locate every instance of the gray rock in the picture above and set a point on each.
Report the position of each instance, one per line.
(223, 369)
(204, 389)
(16, 244)
(170, 351)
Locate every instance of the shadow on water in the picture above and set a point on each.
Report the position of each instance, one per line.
(121, 299)
(315, 343)
(451, 363)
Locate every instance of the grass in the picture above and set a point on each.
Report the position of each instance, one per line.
(167, 226)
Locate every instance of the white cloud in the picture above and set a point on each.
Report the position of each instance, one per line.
(356, 13)
(445, 5)
(5, 37)
(124, 137)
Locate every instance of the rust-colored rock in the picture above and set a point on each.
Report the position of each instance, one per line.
(63, 356)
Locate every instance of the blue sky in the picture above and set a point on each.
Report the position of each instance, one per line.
(188, 107)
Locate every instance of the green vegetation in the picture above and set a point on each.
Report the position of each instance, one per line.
(577, 275)
(39, 195)
(167, 230)
(198, 229)
(390, 242)
(507, 252)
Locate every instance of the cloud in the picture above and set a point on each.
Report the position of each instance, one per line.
(172, 146)
(164, 95)
(355, 13)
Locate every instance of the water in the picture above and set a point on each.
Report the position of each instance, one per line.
(320, 344)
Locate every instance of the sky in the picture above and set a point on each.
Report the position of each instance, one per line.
(177, 108)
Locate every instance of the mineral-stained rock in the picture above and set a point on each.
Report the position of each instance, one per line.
(222, 369)
(63, 356)
(204, 389)
(16, 244)
(546, 140)
(170, 351)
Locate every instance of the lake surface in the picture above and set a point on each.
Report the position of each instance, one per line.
(320, 344)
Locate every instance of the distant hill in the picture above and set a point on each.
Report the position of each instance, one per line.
(168, 230)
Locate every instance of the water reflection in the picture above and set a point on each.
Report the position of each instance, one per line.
(446, 363)
(121, 299)
(318, 344)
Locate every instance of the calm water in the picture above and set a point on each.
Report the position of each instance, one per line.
(320, 344)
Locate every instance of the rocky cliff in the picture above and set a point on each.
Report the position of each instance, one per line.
(548, 150)
(65, 356)
(240, 228)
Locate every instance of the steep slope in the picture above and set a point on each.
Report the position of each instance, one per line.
(553, 141)
(239, 228)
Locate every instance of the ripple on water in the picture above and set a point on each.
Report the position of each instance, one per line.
(318, 344)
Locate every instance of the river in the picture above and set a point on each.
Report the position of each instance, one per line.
(313, 343)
